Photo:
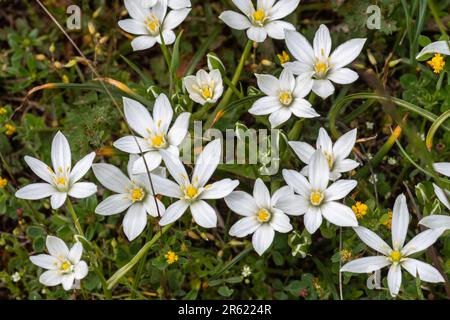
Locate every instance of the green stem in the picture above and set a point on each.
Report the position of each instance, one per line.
(140, 268)
(74, 217)
(167, 58)
(435, 14)
(237, 74)
(124, 270)
(434, 127)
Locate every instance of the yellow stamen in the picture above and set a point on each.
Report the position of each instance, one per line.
(330, 159)
(60, 180)
(171, 257)
(259, 15)
(157, 141)
(263, 215)
(283, 57)
(65, 266)
(285, 98)
(152, 23)
(316, 198)
(321, 69)
(437, 63)
(137, 194)
(191, 191)
(207, 92)
(396, 256)
(360, 209)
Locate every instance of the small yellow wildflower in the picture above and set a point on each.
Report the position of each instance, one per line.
(360, 209)
(9, 129)
(437, 63)
(388, 223)
(3, 111)
(346, 255)
(171, 257)
(283, 57)
(3, 182)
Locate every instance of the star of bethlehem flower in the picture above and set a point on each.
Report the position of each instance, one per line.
(263, 214)
(336, 154)
(437, 221)
(397, 256)
(285, 96)
(133, 194)
(154, 132)
(192, 193)
(62, 180)
(438, 48)
(204, 87)
(172, 4)
(150, 24)
(317, 199)
(63, 266)
(325, 67)
(263, 21)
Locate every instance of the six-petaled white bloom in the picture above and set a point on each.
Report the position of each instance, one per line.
(336, 154)
(62, 180)
(172, 4)
(285, 96)
(263, 21)
(397, 256)
(262, 214)
(317, 199)
(192, 193)
(154, 132)
(63, 266)
(204, 87)
(150, 24)
(134, 194)
(317, 59)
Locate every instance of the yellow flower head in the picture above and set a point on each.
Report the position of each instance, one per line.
(437, 63)
(346, 255)
(9, 129)
(388, 223)
(3, 182)
(3, 111)
(171, 257)
(283, 57)
(360, 209)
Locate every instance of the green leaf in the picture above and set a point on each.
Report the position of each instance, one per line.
(224, 291)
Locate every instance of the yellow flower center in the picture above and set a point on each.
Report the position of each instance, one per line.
(191, 191)
(137, 194)
(158, 141)
(263, 215)
(437, 63)
(360, 209)
(60, 180)
(171, 257)
(65, 266)
(283, 57)
(396, 256)
(207, 92)
(321, 69)
(316, 198)
(259, 16)
(285, 98)
(152, 24)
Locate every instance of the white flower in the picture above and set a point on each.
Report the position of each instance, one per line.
(284, 97)
(336, 154)
(436, 221)
(263, 21)
(442, 47)
(204, 87)
(317, 59)
(397, 257)
(172, 4)
(151, 23)
(134, 194)
(317, 199)
(16, 277)
(263, 214)
(62, 180)
(63, 266)
(193, 193)
(154, 132)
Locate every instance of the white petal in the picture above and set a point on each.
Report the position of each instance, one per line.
(261, 194)
(151, 207)
(442, 168)
(57, 199)
(312, 219)
(245, 6)
(339, 214)
(82, 190)
(339, 189)
(279, 117)
(207, 162)
(45, 261)
(282, 192)
(276, 29)
(75, 253)
(318, 171)
(394, 279)
(40, 169)
(322, 43)
(67, 281)
(324, 142)
(235, 20)
(143, 42)
(80, 270)
(344, 165)
(426, 272)
(244, 227)
(152, 159)
(113, 204)
(133, 26)
(179, 129)
(297, 182)
(283, 8)
(203, 214)
(175, 17)
(303, 85)
(442, 47)
(35, 191)
(300, 47)
(286, 81)
(299, 68)
(422, 241)
(257, 34)
(134, 221)
(81, 167)
(303, 150)
(400, 221)
(343, 76)
(346, 53)
(111, 177)
(136, 10)
(302, 109)
(265, 105)
(443, 195)
(56, 247)
(219, 189)
(166, 187)
(366, 264)
(61, 157)
(175, 167)
(268, 84)
(138, 116)
(373, 240)
(179, 4)
(344, 145)
(174, 212)
(262, 238)
(292, 204)
(162, 112)
(323, 88)
(50, 278)
(242, 203)
(168, 36)
(280, 222)
(436, 221)
(131, 144)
